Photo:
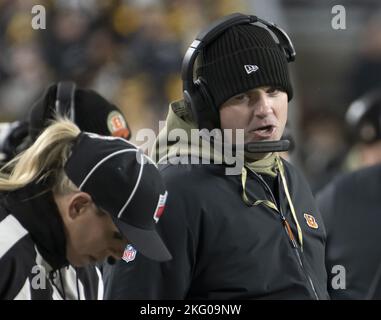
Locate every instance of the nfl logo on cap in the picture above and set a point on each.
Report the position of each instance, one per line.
(129, 253)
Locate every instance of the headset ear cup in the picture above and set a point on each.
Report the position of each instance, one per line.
(194, 103)
(209, 108)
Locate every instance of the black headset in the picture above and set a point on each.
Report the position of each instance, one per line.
(64, 104)
(59, 101)
(195, 91)
(363, 117)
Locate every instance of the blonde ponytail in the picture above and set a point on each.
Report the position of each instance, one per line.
(45, 158)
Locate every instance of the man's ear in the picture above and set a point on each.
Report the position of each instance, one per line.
(79, 202)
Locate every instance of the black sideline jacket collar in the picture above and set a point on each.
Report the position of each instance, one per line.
(35, 208)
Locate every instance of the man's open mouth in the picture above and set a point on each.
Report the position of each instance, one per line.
(263, 132)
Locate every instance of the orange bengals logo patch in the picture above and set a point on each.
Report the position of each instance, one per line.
(117, 125)
(311, 222)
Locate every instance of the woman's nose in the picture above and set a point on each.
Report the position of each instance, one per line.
(117, 250)
(117, 255)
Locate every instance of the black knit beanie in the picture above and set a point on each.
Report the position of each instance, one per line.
(92, 113)
(95, 114)
(244, 57)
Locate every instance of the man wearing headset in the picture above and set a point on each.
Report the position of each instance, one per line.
(88, 109)
(253, 235)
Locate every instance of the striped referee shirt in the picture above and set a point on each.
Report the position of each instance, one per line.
(33, 261)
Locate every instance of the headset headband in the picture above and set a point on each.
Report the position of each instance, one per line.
(64, 104)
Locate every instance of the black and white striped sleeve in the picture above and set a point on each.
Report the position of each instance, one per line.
(17, 257)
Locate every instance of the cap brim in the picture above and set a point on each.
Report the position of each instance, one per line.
(147, 242)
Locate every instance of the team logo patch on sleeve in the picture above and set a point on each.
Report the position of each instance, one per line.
(117, 125)
(160, 206)
(311, 222)
(129, 253)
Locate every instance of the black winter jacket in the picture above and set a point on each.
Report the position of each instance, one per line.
(350, 207)
(224, 249)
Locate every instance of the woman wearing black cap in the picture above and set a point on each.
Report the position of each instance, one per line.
(59, 210)
(90, 112)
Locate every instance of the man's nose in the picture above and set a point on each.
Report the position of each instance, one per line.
(261, 106)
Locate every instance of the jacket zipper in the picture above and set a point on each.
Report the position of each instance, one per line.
(296, 249)
(294, 244)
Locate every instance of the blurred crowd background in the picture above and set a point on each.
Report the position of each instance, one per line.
(130, 51)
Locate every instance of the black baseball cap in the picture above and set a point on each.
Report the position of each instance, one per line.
(125, 183)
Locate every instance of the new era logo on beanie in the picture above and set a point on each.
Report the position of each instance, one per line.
(125, 183)
(250, 68)
(242, 50)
